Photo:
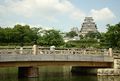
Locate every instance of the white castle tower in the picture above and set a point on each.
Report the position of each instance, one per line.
(88, 26)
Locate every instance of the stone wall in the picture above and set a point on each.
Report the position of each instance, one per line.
(117, 63)
(111, 71)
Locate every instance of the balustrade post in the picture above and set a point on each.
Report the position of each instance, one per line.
(110, 52)
(21, 50)
(84, 52)
(34, 49)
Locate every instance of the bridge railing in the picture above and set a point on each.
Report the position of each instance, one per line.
(15, 51)
(9, 51)
(47, 51)
(83, 52)
(116, 53)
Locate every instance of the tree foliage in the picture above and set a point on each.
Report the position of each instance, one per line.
(25, 35)
(113, 35)
(93, 35)
(83, 43)
(71, 34)
(51, 37)
(18, 34)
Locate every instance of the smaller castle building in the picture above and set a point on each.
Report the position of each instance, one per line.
(75, 29)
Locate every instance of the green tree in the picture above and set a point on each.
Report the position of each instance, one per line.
(51, 37)
(93, 35)
(113, 35)
(2, 35)
(71, 34)
(24, 34)
(8, 35)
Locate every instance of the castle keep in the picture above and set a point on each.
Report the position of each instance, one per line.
(88, 26)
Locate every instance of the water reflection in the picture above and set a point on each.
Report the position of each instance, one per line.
(58, 78)
(108, 78)
(54, 74)
(29, 79)
(73, 78)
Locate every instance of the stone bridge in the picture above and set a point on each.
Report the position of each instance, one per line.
(28, 60)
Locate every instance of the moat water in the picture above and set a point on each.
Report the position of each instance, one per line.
(53, 74)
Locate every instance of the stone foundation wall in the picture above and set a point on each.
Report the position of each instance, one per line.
(111, 71)
(117, 63)
(108, 72)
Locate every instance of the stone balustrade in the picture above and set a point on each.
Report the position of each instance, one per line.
(47, 51)
(15, 51)
(84, 52)
(116, 53)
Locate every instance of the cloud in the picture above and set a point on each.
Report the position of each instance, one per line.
(77, 15)
(47, 9)
(102, 14)
(3, 10)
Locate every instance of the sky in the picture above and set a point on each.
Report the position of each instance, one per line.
(59, 14)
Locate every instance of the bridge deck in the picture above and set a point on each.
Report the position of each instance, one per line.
(53, 59)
